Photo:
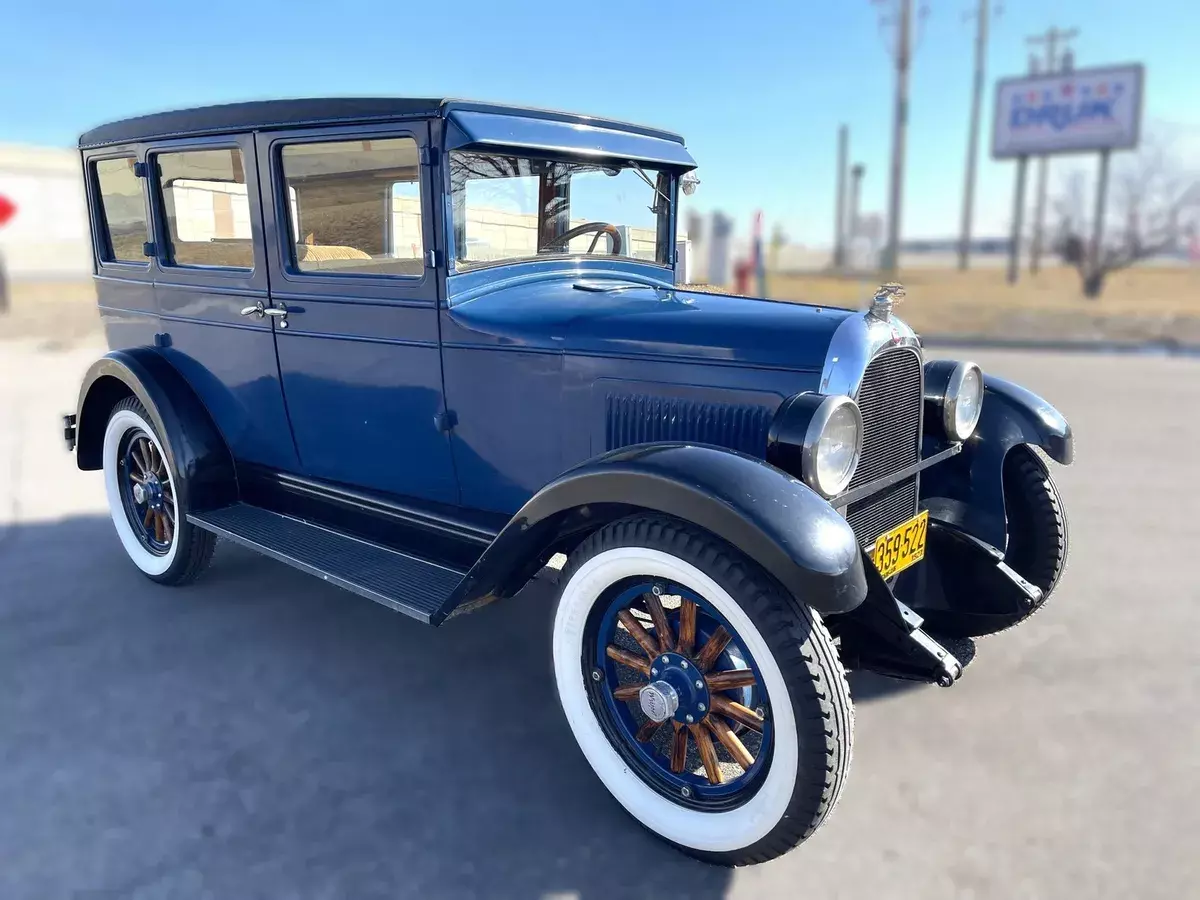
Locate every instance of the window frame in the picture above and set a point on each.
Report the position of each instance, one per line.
(666, 226)
(106, 261)
(289, 279)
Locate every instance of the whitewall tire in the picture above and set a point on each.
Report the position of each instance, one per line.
(144, 500)
(771, 784)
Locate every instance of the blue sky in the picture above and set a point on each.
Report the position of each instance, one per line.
(757, 88)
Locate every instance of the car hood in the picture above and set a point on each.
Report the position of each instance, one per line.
(619, 318)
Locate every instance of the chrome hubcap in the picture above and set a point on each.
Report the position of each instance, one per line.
(659, 701)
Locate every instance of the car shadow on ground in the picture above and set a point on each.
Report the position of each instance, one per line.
(261, 733)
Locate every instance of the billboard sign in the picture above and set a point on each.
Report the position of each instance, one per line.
(1070, 112)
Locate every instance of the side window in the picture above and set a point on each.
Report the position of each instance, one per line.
(122, 211)
(355, 207)
(207, 208)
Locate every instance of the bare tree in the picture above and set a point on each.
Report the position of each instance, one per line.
(1155, 204)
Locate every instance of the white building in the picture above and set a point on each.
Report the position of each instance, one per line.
(48, 236)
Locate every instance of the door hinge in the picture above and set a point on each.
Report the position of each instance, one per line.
(140, 170)
(446, 420)
(428, 156)
(148, 249)
(431, 259)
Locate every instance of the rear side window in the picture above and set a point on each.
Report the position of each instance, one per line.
(355, 207)
(207, 208)
(122, 210)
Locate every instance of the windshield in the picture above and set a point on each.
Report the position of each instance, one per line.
(514, 207)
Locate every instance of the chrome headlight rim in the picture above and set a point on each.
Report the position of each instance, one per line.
(817, 425)
(950, 401)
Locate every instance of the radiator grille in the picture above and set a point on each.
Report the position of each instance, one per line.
(890, 399)
(640, 419)
(876, 514)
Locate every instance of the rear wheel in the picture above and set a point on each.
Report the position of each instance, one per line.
(144, 503)
(713, 708)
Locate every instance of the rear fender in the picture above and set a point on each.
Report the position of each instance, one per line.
(968, 490)
(776, 520)
(198, 455)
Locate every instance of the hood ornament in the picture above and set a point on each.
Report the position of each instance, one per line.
(885, 300)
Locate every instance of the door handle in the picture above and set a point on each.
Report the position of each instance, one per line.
(275, 312)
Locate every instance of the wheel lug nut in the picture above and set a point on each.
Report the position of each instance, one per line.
(700, 706)
(654, 671)
(596, 676)
(689, 719)
(699, 683)
(683, 663)
(687, 792)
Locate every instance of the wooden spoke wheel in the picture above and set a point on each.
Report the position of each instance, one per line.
(147, 491)
(712, 706)
(681, 693)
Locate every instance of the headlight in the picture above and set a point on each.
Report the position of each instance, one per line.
(832, 445)
(964, 401)
(954, 390)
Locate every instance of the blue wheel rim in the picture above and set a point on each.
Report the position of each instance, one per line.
(146, 491)
(622, 719)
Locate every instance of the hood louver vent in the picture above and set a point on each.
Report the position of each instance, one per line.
(642, 419)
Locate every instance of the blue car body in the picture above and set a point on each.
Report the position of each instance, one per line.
(483, 418)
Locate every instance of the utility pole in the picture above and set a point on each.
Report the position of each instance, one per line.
(856, 176)
(1050, 41)
(981, 37)
(839, 220)
(902, 55)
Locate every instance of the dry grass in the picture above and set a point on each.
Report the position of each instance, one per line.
(1146, 304)
(1137, 304)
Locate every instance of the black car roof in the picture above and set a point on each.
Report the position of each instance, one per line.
(263, 115)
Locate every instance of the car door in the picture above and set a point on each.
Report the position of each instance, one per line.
(208, 265)
(349, 230)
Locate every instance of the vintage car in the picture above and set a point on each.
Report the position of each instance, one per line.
(417, 348)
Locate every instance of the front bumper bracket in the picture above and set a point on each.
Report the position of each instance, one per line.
(886, 636)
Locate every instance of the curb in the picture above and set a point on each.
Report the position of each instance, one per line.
(1138, 348)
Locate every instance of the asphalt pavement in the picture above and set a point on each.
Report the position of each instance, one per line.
(263, 735)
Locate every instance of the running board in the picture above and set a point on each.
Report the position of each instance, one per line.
(407, 584)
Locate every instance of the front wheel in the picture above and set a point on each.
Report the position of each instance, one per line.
(712, 707)
(144, 501)
(1037, 522)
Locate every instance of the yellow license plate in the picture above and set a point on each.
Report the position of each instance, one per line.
(899, 548)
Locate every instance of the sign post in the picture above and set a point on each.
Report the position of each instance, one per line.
(1014, 243)
(8, 209)
(1098, 220)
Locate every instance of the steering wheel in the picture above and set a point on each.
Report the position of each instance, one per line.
(614, 237)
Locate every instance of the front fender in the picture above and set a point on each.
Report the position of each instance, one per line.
(968, 490)
(776, 520)
(198, 455)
